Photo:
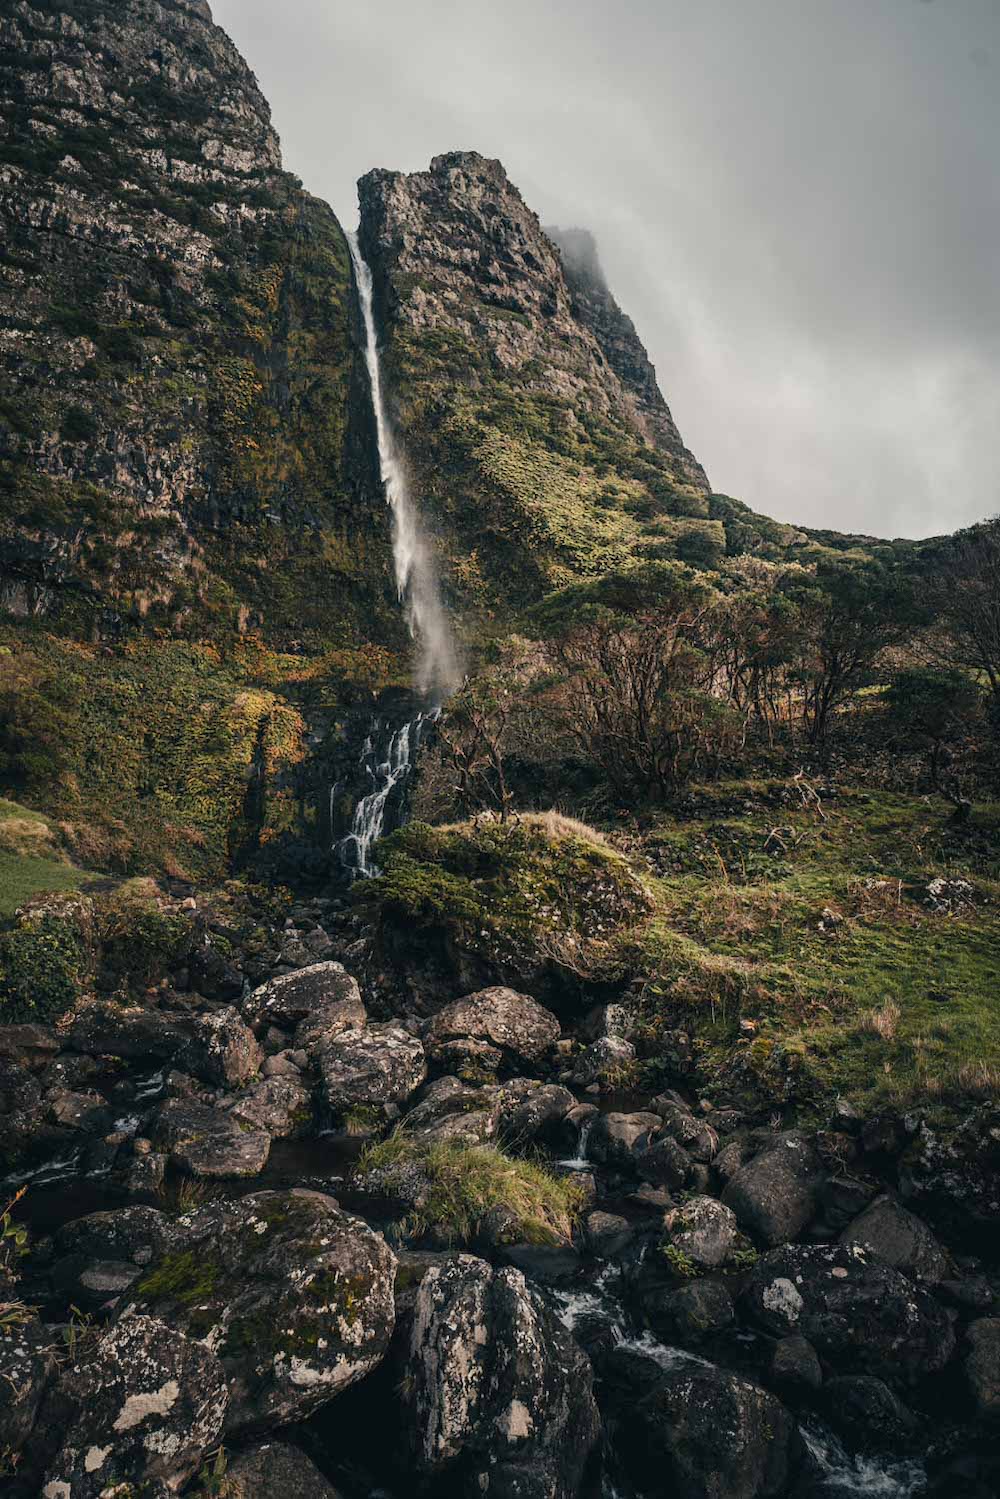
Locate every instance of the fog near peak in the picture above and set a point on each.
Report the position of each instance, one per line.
(795, 200)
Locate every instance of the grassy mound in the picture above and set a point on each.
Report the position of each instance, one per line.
(541, 898)
(454, 1186)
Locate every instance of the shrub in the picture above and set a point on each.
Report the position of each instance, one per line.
(41, 967)
(460, 1184)
(140, 940)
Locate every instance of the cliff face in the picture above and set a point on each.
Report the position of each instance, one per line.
(543, 447)
(176, 358)
(595, 308)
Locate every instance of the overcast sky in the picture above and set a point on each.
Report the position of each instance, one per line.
(798, 201)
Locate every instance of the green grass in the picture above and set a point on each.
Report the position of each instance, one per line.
(465, 1182)
(740, 934)
(23, 876)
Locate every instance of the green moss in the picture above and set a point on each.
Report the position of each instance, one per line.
(186, 1277)
(463, 1183)
(42, 964)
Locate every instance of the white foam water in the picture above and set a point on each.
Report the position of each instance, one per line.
(437, 668)
(368, 821)
(848, 1476)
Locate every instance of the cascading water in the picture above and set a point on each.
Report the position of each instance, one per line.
(437, 672)
(416, 575)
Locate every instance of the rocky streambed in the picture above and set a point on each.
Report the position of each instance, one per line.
(286, 1241)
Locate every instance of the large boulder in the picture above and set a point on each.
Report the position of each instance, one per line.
(449, 1110)
(143, 1406)
(774, 1195)
(277, 1106)
(513, 1026)
(221, 1049)
(323, 992)
(689, 1430)
(134, 1234)
(858, 1313)
(690, 1130)
(620, 1139)
(207, 1142)
(868, 1414)
(370, 1073)
(496, 1395)
(900, 1239)
(218, 1047)
(294, 1295)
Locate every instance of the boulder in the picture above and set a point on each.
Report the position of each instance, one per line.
(323, 992)
(604, 1061)
(858, 1313)
(206, 1142)
(774, 1195)
(665, 1163)
(221, 1050)
(143, 1405)
(27, 1364)
(867, 1414)
(899, 1238)
(513, 1024)
(293, 1294)
(86, 1112)
(690, 1130)
(795, 1365)
(277, 1107)
(702, 1230)
(687, 1314)
(607, 1234)
(216, 1047)
(619, 1139)
(530, 1110)
(371, 1072)
(982, 1367)
(496, 1395)
(274, 1469)
(693, 1431)
(133, 1235)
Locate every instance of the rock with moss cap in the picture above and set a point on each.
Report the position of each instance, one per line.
(294, 1295)
(496, 1394)
(141, 1407)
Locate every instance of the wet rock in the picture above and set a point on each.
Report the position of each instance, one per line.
(774, 1195)
(530, 1111)
(134, 1235)
(795, 1365)
(867, 1414)
(145, 1404)
(27, 1364)
(688, 1314)
(135, 1033)
(205, 1142)
(86, 1112)
(275, 1469)
(900, 1239)
(607, 1234)
(294, 1295)
(513, 1024)
(619, 1139)
(858, 1313)
(374, 1070)
(703, 1231)
(277, 1107)
(982, 1367)
(323, 994)
(697, 1431)
(496, 1395)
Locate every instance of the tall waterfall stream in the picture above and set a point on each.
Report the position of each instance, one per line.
(437, 671)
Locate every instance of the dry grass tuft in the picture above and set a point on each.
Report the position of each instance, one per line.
(881, 1021)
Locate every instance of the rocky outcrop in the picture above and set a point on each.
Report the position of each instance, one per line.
(596, 309)
(505, 1029)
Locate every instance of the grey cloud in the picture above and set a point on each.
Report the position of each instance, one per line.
(796, 200)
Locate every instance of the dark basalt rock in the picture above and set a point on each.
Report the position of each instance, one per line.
(275, 1469)
(774, 1195)
(374, 1070)
(858, 1313)
(515, 1025)
(206, 1142)
(867, 1413)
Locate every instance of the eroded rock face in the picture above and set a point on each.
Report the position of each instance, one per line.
(294, 1296)
(858, 1313)
(145, 1404)
(373, 1070)
(496, 1395)
(514, 1025)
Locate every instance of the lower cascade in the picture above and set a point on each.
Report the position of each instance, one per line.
(386, 770)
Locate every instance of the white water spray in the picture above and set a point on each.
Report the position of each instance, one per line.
(416, 576)
(385, 775)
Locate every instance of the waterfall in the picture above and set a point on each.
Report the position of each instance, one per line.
(416, 576)
(386, 769)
